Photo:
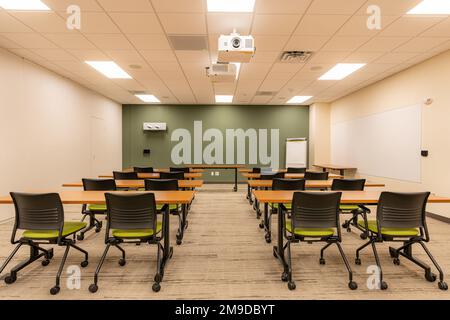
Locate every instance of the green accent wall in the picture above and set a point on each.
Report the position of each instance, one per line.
(292, 122)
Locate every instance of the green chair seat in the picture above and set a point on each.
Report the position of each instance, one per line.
(137, 233)
(310, 232)
(97, 207)
(171, 207)
(349, 208)
(68, 229)
(396, 232)
(275, 205)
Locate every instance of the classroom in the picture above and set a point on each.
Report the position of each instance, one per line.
(224, 150)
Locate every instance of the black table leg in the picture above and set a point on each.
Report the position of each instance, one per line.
(168, 250)
(268, 234)
(278, 250)
(235, 189)
(183, 224)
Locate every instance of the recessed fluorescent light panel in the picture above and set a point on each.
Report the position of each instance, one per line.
(24, 5)
(148, 98)
(224, 99)
(231, 5)
(110, 69)
(431, 7)
(299, 99)
(341, 71)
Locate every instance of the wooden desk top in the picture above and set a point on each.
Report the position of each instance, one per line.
(98, 197)
(309, 184)
(141, 184)
(287, 175)
(215, 166)
(348, 197)
(248, 170)
(334, 167)
(165, 170)
(156, 175)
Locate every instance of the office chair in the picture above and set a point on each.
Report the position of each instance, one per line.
(125, 175)
(175, 175)
(401, 217)
(256, 170)
(143, 169)
(91, 210)
(296, 170)
(314, 218)
(309, 175)
(355, 210)
(272, 176)
(184, 170)
(41, 216)
(131, 219)
(280, 184)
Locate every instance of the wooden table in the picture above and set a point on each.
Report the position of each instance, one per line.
(165, 170)
(234, 167)
(320, 184)
(348, 197)
(155, 175)
(248, 170)
(287, 176)
(137, 184)
(339, 168)
(161, 197)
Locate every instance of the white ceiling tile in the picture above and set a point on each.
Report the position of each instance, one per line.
(62, 5)
(193, 56)
(261, 99)
(158, 55)
(391, 7)
(335, 6)
(126, 6)
(137, 22)
(30, 40)
(409, 26)
(442, 29)
(11, 24)
(357, 26)
(320, 25)
(127, 58)
(378, 67)
(7, 43)
(70, 41)
(347, 44)
(281, 6)
(421, 44)
(42, 21)
(395, 58)
(129, 84)
(166, 67)
(383, 44)
(328, 57)
(149, 41)
(363, 57)
(270, 24)
(180, 6)
(54, 54)
(273, 84)
(225, 23)
(88, 55)
(255, 70)
(224, 88)
(110, 41)
(306, 43)
(182, 23)
(270, 43)
(26, 54)
(97, 22)
(290, 68)
(265, 56)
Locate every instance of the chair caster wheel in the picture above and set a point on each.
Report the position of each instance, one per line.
(353, 285)
(80, 237)
(100, 225)
(284, 277)
(349, 230)
(383, 285)
(397, 262)
(97, 230)
(430, 276)
(122, 262)
(291, 285)
(156, 287)
(10, 279)
(358, 261)
(261, 225)
(84, 264)
(345, 225)
(93, 288)
(45, 262)
(268, 239)
(55, 290)
(179, 241)
(322, 261)
(363, 236)
(443, 285)
(158, 278)
(393, 253)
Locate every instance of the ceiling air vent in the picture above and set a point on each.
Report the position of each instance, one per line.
(266, 93)
(295, 56)
(192, 43)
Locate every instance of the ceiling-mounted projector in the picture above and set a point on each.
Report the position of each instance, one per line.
(222, 72)
(236, 48)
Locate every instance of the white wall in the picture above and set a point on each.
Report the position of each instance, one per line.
(319, 134)
(46, 130)
(427, 79)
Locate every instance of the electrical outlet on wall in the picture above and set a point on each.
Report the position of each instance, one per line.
(217, 173)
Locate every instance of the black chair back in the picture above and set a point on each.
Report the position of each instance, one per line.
(185, 170)
(348, 184)
(316, 175)
(172, 175)
(143, 169)
(99, 185)
(125, 175)
(256, 170)
(161, 184)
(278, 175)
(296, 170)
(288, 184)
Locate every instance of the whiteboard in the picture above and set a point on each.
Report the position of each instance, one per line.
(296, 153)
(386, 144)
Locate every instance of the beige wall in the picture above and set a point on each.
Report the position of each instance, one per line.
(430, 79)
(52, 130)
(319, 133)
